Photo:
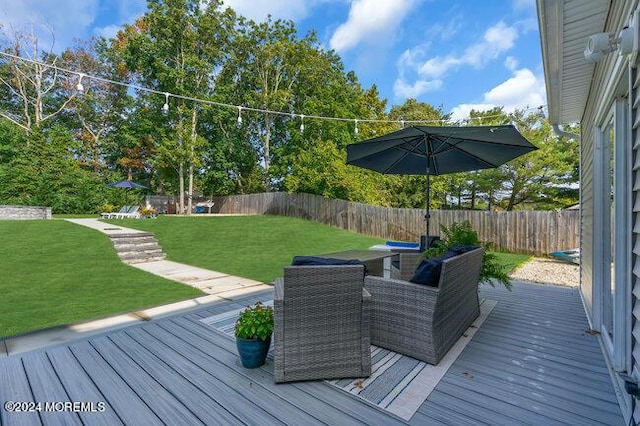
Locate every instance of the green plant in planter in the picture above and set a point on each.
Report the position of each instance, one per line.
(463, 234)
(255, 322)
(253, 334)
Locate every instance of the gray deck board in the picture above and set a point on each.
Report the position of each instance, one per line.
(530, 363)
(325, 395)
(123, 400)
(165, 405)
(79, 387)
(12, 373)
(46, 387)
(203, 377)
(228, 387)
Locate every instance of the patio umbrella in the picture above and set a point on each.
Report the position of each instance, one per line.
(438, 150)
(126, 184)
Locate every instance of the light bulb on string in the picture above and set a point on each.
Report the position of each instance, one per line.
(301, 123)
(355, 128)
(239, 120)
(79, 86)
(165, 107)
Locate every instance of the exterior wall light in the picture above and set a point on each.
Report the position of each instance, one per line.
(601, 44)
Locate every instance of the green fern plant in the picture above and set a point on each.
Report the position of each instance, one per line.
(463, 234)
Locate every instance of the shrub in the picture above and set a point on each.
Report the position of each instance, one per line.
(463, 234)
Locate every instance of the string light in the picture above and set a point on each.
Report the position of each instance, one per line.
(355, 129)
(239, 120)
(165, 107)
(79, 86)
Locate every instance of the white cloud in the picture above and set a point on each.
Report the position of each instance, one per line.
(448, 30)
(370, 21)
(524, 89)
(64, 19)
(405, 90)
(67, 19)
(109, 31)
(511, 63)
(258, 10)
(462, 111)
(496, 40)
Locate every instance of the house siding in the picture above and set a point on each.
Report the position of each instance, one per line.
(586, 219)
(635, 229)
(592, 273)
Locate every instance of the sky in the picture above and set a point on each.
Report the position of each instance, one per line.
(455, 54)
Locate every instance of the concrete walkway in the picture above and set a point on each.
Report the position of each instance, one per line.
(210, 282)
(218, 285)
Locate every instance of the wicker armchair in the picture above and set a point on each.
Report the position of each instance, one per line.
(407, 264)
(321, 323)
(423, 321)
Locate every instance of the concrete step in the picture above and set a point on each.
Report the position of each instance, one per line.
(137, 247)
(142, 257)
(144, 260)
(134, 240)
(123, 248)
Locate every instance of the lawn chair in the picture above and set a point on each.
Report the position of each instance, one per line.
(133, 213)
(321, 323)
(113, 215)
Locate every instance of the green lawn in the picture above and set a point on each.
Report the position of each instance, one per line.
(254, 247)
(509, 261)
(54, 272)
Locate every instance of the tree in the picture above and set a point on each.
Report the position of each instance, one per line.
(263, 70)
(537, 178)
(31, 88)
(45, 173)
(99, 110)
(177, 48)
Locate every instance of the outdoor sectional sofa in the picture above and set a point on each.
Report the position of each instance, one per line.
(422, 321)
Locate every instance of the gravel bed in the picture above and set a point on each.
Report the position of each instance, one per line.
(548, 271)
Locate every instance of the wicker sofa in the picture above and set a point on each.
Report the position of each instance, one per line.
(423, 321)
(321, 323)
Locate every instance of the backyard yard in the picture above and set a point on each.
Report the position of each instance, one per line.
(63, 273)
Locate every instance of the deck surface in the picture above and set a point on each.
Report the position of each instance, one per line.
(531, 362)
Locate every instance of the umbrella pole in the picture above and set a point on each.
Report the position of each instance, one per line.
(427, 215)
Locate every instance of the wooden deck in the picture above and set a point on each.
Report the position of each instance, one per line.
(530, 363)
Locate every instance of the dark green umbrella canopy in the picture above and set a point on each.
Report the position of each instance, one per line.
(126, 184)
(438, 150)
(129, 184)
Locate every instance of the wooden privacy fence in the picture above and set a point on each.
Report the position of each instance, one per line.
(532, 232)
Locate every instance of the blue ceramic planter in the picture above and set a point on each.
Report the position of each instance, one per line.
(253, 352)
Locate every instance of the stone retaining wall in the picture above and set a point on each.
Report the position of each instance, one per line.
(24, 212)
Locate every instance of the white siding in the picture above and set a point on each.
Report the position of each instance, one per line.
(635, 203)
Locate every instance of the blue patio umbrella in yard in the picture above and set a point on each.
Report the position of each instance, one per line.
(126, 184)
(438, 150)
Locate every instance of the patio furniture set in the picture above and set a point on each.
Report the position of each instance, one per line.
(327, 316)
